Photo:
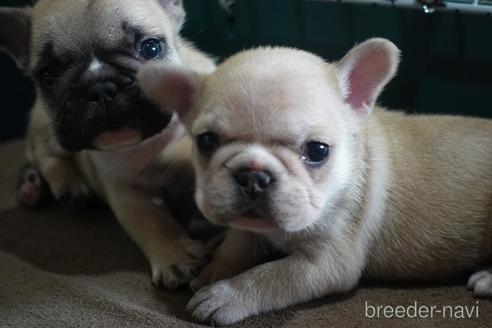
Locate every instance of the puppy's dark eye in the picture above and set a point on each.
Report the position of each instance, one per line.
(208, 142)
(151, 49)
(315, 152)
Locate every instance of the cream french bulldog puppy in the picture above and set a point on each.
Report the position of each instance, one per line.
(292, 151)
(92, 129)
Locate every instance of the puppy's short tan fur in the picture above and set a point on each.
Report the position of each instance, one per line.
(122, 178)
(398, 197)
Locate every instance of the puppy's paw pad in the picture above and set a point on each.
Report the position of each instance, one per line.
(481, 284)
(218, 304)
(176, 264)
(33, 190)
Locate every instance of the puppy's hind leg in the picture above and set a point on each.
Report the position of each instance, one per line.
(481, 283)
(33, 191)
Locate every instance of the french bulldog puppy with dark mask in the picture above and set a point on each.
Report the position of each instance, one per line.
(291, 152)
(92, 131)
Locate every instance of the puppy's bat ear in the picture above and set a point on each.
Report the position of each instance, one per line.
(365, 71)
(175, 9)
(171, 87)
(15, 33)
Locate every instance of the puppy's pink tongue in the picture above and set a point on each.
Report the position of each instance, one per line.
(253, 224)
(121, 138)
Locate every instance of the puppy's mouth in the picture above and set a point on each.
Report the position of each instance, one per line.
(255, 216)
(253, 224)
(254, 219)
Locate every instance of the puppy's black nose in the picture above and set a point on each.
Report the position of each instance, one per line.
(100, 91)
(253, 183)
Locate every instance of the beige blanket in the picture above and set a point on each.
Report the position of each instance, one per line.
(79, 269)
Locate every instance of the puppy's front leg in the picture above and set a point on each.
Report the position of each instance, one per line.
(175, 258)
(302, 276)
(54, 165)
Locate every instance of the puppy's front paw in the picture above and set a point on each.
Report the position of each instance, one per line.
(481, 284)
(175, 264)
(68, 185)
(220, 304)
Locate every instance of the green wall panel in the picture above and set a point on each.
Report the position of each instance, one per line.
(478, 43)
(446, 57)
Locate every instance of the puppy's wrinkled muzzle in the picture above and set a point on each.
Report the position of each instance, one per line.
(107, 114)
(102, 92)
(252, 210)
